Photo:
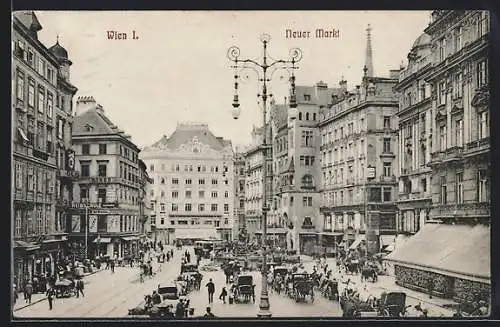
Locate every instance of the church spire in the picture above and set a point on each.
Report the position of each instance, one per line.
(369, 55)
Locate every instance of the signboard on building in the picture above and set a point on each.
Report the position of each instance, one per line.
(75, 223)
(113, 223)
(370, 172)
(93, 223)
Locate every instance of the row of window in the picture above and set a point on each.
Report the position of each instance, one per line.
(190, 206)
(375, 194)
(331, 134)
(344, 153)
(34, 179)
(457, 83)
(481, 28)
(483, 187)
(188, 194)
(190, 168)
(44, 98)
(35, 61)
(189, 181)
(216, 223)
(483, 131)
(33, 222)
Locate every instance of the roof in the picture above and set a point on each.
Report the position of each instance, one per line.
(457, 250)
(279, 113)
(317, 97)
(59, 51)
(98, 122)
(28, 19)
(185, 133)
(423, 39)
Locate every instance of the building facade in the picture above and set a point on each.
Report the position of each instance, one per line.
(193, 184)
(415, 139)
(254, 185)
(359, 163)
(105, 215)
(458, 127)
(239, 195)
(42, 171)
(145, 204)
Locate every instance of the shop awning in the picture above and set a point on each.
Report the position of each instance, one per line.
(26, 245)
(454, 250)
(195, 233)
(357, 242)
(23, 134)
(130, 238)
(332, 233)
(103, 240)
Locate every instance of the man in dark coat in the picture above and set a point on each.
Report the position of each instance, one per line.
(50, 297)
(211, 290)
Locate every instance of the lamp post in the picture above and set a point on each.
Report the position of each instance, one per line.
(264, 68)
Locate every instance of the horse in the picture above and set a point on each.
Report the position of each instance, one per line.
(367, 273)
(352, 268)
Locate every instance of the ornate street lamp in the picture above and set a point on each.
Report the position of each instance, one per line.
(264, 76)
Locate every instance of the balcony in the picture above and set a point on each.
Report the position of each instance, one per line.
(454, 153)
(463, 210)
(478, 146)
(69, 174)
(388, 179)
(413, 196)
(40, 154)
(63, 203)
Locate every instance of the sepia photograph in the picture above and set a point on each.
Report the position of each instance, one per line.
(193, 165)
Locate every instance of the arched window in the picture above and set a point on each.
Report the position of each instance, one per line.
(307, 181)
(163, 180)
(307, 116)
(314, 116)
(300, 115)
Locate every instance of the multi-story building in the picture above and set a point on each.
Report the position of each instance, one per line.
(415, 138)
(457, 260)
(145, 204)
(239, 194)
(253, 185)
(359, 161)
(193, 184)
(105, 216)
(42, 167)
(296, 196)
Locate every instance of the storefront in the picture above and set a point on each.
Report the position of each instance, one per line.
(308, 243)
(451, 261)
(23, 261)
(329, 241)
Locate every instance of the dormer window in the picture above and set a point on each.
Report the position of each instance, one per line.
(89, 128)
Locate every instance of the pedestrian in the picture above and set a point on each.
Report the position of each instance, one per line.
(79, 287)
(156, 298)
(28, 291)
(211, 290)
(150, 269)
(171, 253)
(112, 266)
(50, 297)
(209, 314)
(223, 295)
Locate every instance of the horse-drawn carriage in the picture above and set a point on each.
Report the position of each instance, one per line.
(279, 278)
(65, 288)
(191, 275)
(302, 287)
(244, 289)
(390, 305)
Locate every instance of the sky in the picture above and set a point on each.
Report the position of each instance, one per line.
(177, 69)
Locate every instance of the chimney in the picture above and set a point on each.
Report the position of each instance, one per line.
(83, 104)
